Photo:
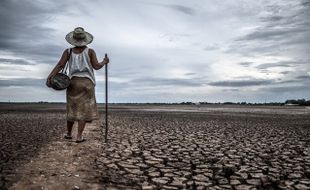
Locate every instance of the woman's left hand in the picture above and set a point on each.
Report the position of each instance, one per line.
(106, 59)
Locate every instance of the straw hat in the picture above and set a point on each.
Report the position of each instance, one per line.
(79, 37)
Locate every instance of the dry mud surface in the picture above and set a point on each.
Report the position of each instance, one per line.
(22, 135)
(163, 149)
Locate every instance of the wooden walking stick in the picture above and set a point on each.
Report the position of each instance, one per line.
(106, 100)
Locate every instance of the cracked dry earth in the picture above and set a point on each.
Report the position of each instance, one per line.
(34, 154)
(206, 151)
(63, 164)
(159, 150)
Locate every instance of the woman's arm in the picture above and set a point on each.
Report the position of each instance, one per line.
(94, 61)
(60, 65)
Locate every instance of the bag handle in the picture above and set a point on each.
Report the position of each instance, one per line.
(64, 70)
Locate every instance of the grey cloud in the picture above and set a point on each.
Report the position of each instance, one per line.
(190, 74)
(306, 3)
(288, 89)
(246, 64)
(168, 82)
(272, 34)
(15, 61)
(146, 82)
(283, 28)
(211, 47)
(303, 80)
(22, 82)
(276, 64)
(180, 8)
(286, 82)
(241, 83)
(114, 86)
(174, 37)
(284, 32)
(183, 9)
(22, 31)
(231, 90)
(25, 32)
(303, 77)
(272, 18)
(285, 72)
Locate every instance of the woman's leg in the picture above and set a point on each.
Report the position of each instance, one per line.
(69, 128)
(81, 126)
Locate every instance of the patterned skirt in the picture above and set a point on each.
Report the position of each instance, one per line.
(81, 100)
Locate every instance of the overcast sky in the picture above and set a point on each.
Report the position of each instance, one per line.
(163, 50)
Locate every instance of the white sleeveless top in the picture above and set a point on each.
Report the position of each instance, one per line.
(79, 65)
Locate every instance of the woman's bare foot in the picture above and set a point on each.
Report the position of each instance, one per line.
(80, 139)
(67, 136)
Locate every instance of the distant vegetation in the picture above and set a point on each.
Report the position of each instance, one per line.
(292, 102)
(300, 102)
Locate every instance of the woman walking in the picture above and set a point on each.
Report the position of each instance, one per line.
(81, 100)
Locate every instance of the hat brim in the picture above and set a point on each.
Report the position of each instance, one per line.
(87, 40)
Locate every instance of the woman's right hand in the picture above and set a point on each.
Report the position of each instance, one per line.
(48, 82)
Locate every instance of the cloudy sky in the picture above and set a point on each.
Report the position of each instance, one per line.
(163, 50)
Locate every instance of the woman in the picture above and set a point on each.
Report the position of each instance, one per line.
(81, 100)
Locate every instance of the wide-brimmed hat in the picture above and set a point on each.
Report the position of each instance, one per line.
(79, 37)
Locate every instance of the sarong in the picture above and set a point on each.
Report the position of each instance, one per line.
(81, 100)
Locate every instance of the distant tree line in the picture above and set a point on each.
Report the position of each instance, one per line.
(234, 103)
(248, 103)
(300, 102)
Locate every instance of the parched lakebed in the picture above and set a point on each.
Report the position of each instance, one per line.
(176, 149)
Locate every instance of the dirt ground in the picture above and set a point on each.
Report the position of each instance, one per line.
(158, 148)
